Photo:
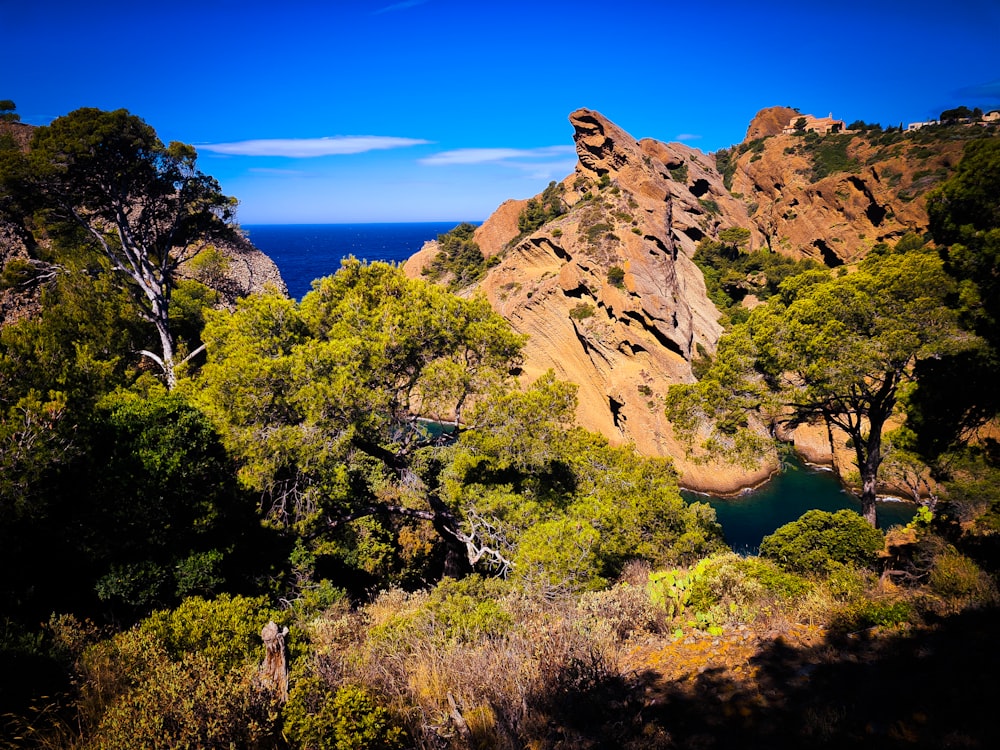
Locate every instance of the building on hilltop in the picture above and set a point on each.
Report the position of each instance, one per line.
(811, 124)
(987, 119)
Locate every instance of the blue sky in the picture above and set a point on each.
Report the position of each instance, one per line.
(313, 111)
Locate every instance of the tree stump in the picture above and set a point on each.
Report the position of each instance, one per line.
(274, 670)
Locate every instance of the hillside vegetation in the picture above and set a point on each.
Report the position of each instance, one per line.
(363, 520)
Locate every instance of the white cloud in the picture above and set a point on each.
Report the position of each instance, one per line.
(688, 137)
(306, 148)
(516, 157)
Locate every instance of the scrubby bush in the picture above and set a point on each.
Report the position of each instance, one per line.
(348, 718)
(616, 276)
(225, 630)
(957, 577)
(135, 695)
(870, 613)
(819, 539)
(743, 584)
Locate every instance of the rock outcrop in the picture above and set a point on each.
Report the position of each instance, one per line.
(607, 292)
(834, 198)
(609, 295)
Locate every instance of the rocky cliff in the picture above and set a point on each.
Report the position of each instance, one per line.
(833, 198)
(607, 291)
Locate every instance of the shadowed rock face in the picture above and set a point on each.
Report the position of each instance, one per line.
(607, 292)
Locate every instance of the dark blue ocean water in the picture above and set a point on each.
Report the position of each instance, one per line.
(305, 252)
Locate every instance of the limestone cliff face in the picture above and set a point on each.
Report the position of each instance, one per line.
(878, 194)
(609, 295)
(607, 291)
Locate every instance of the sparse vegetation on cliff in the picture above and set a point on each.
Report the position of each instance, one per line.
(459, 259)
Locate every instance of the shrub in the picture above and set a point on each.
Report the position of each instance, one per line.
(955, 576)
(459, 256)
(734, 581)
(581, 311)
(869, 613)
(624, 609)
(679, 174)
(135, 695)
(316, 718)
(536, 213)
(616, 276)
(225, 630)
(819, 539)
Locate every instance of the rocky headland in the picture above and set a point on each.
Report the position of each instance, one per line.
(607, 290)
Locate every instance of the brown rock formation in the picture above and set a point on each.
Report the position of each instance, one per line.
(833, 199)
(608, 293)
(770, 121)
(500, 228)
(609, 296)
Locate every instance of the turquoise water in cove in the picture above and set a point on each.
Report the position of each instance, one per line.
(304, 252)
(750, 517)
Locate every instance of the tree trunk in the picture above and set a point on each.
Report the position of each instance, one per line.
(274, 670)
(869, 459)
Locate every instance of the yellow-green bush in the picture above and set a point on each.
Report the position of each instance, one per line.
(742, 581)
(225, 630)
(135, 696)
(955, 576)
(347, 718)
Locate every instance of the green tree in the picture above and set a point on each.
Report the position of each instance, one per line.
(819, 540)
(459, 256)
(549, 205)
(8, 111)
(130, 504)
(735, 237)
(328, 404)
(107, 178)
(958, 394)
(562, 505)
(829, 349)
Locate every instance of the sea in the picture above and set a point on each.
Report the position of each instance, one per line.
(304, 252)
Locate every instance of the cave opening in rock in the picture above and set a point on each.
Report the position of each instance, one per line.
(699, 188)
(875, 213)
(829, 257)
(616, 411)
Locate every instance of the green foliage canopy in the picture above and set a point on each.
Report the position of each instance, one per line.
(819, 540)
(832, 349)
(324, 403)
(567, 508)
(459, 257)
